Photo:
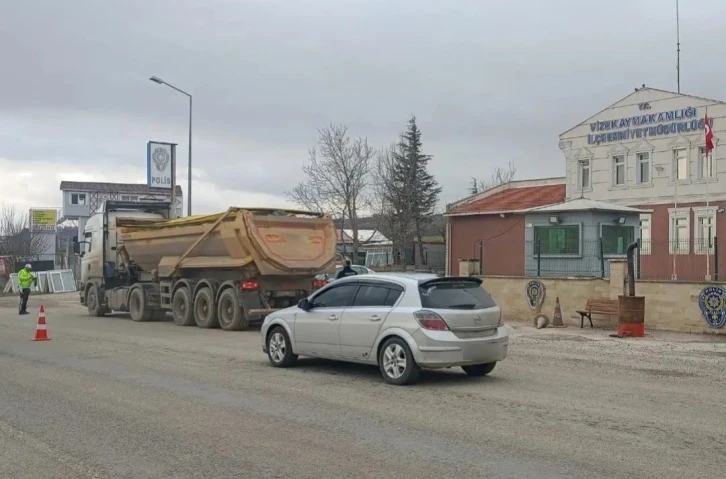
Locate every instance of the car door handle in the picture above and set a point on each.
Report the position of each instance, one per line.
(375, 317)
(332, 317)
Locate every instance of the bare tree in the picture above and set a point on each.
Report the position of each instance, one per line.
(499, 176)
(337, 177)
(16, 239)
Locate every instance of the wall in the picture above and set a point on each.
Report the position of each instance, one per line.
(502, 242)
(587, 263)
(574, 144)
(669, 306)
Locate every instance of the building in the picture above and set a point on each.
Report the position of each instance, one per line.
(82, 199)
(490, 227)
(647, 151)
(374, 249)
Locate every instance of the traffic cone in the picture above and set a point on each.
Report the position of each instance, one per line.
(41, 331)
(557, 317)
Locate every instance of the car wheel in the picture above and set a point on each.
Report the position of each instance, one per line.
(205, 311)
(479, 370)
(181, 307)
(279, 350)
(397, 364)
(93, 302)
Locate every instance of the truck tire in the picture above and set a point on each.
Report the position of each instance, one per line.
(137, 306)
(230, 313)
(205, 311)
(182, 308)
(93, 302)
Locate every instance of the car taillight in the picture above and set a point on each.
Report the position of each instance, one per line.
(431, 321)
(249, 285)
(319, 283)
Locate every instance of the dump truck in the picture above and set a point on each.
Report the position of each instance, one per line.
(226, 270)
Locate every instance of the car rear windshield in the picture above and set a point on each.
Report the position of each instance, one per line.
(454, 295)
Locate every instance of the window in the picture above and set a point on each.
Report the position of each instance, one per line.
(680, 164)
(87, 238)
(705, 163)
(129, 198)
(336, 297)
(616, 238)
(557, 240)
(393, 296)
(370, 295)
(584, 174)
(78, 198)
(680, 234)
(705, 219)
(359, 269)
(455, 295)
(619, 170)
(645, 234)
(643, 168)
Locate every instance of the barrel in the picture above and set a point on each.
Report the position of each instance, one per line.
(631, 316)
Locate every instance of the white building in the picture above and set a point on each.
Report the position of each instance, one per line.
(648, 150)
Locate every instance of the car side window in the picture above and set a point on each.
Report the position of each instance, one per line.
(336, 297)
(371, 295)
(359, 269)
(393, 295)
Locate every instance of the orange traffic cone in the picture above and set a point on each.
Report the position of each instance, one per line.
(41, 331)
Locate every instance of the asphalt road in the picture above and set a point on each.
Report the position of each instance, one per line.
(107, 397)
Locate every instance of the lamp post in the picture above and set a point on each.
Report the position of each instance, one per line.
(158, 80)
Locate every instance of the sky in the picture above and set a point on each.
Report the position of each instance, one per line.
(489, 82)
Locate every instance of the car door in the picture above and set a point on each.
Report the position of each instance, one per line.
(316, 330)
(362, 321)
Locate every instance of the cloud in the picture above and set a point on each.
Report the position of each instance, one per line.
(488, 82)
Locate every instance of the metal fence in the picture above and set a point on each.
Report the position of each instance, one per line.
(687, 260)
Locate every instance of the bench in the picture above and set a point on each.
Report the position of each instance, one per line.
(609, 307)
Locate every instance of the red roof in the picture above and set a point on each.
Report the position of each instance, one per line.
(515, 199)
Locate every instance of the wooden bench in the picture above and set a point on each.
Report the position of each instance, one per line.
(608, 307)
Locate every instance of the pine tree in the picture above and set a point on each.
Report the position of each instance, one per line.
(418, 191)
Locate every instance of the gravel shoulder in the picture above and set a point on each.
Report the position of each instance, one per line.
(107, 397)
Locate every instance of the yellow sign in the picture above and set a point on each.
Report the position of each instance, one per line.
(43, 220)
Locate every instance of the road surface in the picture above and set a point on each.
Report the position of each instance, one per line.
(107, 397)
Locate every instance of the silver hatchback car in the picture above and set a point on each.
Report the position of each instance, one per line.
(398, 321)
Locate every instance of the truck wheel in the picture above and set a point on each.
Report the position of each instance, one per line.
(182, 308)
(205, 312)
(231, 315)
(93, 302)
(137, 306)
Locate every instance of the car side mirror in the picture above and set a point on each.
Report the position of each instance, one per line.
(304, 304)
(76, 245)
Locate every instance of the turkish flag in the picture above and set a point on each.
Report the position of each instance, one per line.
(709, 135)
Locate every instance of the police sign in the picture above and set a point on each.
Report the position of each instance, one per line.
(160, 164)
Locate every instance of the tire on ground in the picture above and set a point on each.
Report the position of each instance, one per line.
(205, 311)
(279, 348)
(137, 306)
(182, 308)
(230, 313)
(404, 358)
(93, 302)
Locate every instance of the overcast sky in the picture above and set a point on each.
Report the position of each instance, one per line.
(489, 81)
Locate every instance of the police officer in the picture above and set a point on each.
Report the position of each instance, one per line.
(346, 271)
(25, 281)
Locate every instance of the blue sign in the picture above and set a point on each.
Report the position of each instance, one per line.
(643, 126)
(712, 302)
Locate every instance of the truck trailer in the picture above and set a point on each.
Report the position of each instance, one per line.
(225, 270)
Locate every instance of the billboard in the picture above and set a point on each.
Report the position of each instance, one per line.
(160, 164)
(43, 220)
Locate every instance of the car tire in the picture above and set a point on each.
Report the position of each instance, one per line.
(279, 349)
(396, 363)
(205, 311)
(230, 314)
(182, 308)
(93, 302)
(479, 370)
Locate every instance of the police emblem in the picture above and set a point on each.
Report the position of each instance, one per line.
(712, 302)
(535, 293)
(160, 158)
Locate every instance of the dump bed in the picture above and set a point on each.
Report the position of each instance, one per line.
(272, 241)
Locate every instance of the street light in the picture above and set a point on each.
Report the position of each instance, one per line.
(158, 80)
